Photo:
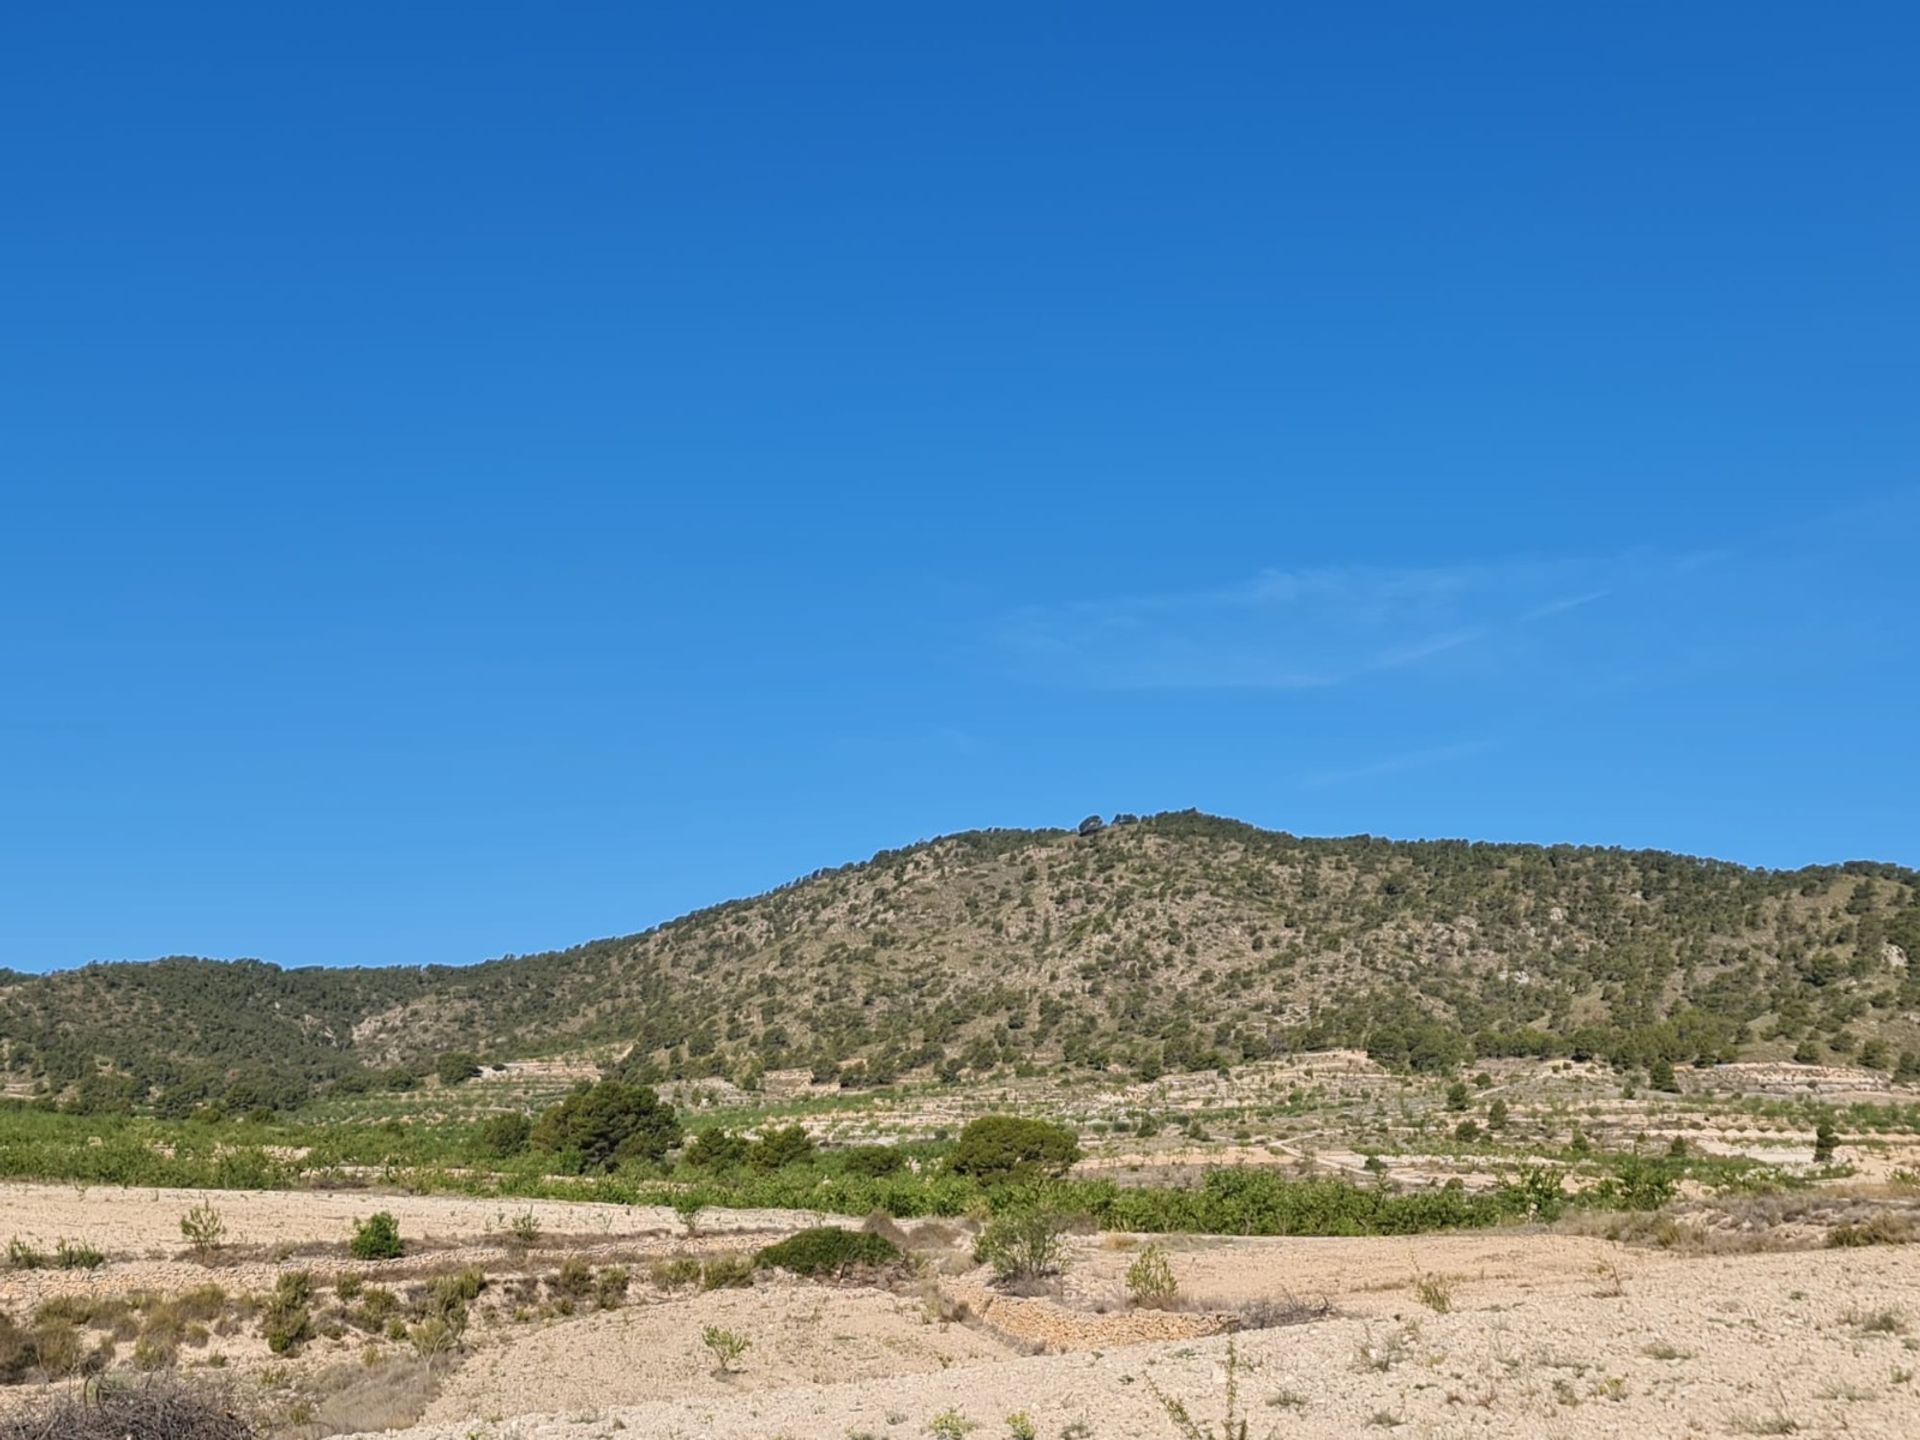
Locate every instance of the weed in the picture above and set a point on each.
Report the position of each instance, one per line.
(1232, 1425)
(1885, 1321)
(1434, 1291)
(1150, 1279)
(726, 1347)
(610, 1288)
(205, 1231)
(76, 1255)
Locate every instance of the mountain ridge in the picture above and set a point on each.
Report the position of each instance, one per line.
(1171, 941)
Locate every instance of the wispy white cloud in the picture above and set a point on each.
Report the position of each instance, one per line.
(1398, 764)
(1303, 629)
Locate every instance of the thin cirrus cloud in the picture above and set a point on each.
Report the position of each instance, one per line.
(1398, 764)
(1307, 630)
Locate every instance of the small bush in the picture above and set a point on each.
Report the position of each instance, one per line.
(777, 1149)
(456, 1067)
(610, 1288)
(715, 1150)
(1233, 1423)
(828, 1250)
(22, 1256)
(1150, 1279)
(506, 1135)
(671, 1274)
(574, 1280)
(204, 1229)
(57, 1346)
(155, 1350)
(377, 1238)
(726, 1272)
(376, 1308)
(461, 1288)
(726, 1347)
(287, 1321)
(1881, 1229)
(873, 1161)
(1022, 1247)
(77, 1255)
(434, 1337)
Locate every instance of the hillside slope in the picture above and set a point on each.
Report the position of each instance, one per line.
(1177, 941)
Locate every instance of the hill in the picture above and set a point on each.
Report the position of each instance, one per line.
(1177, 941)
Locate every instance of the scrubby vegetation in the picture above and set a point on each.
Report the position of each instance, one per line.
(1177, 942)
(599, 1127)
(377, 1238)
(1007, 1147)
(828, 1250)
(163, 1411)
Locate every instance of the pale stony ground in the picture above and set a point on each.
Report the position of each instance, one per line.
(1768, 1344)
(1549, 1334)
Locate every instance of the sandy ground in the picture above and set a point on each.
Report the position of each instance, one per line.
(1769, 1344)
(1546, 1334)
(803, 1335)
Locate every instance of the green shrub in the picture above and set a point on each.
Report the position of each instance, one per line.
(777, 1149)
(456, 1291)
(377, 1306)
(716, 1150)
(505, 1135)
(77, 1255)
(574, 1279)
(672, 1274)
(377, 1238)
(726, 1272)
(726, 1347)
(204, 1230)
(828, 1250)
(601, 1126)
(1025, 1246)
(456, 1067)
(22, 1256)
(287, 1321)
(610, 1288)
(872, 1161)
(996, 1148)
(1150, 1279)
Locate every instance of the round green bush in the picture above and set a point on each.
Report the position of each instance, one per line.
(828, 1250)
(377, 1238)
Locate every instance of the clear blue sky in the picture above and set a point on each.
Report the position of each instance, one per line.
(479, 478)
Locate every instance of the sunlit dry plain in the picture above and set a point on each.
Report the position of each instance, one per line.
(1766, 1294)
